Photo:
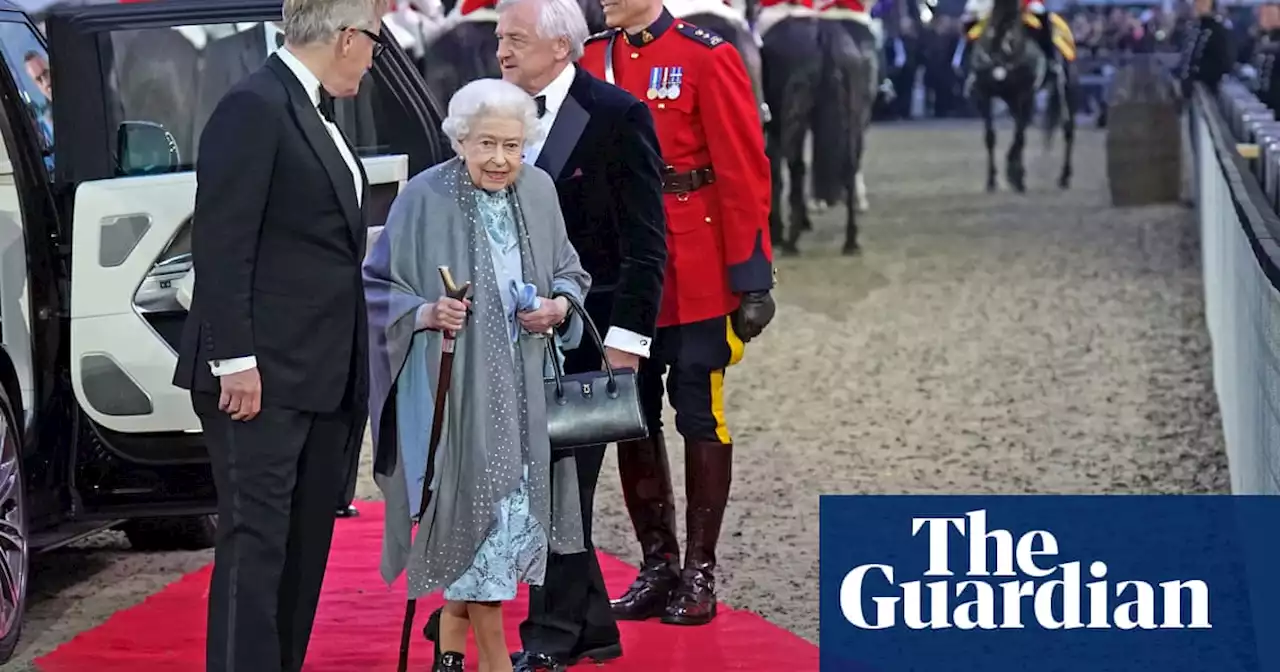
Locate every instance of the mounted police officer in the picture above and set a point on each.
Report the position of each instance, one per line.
(1207, 54)
(1050, 32)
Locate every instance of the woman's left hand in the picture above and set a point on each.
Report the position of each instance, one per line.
(550, 314)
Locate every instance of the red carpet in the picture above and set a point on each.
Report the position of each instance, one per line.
(358, 627)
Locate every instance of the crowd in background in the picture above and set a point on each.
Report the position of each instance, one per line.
(921, 57)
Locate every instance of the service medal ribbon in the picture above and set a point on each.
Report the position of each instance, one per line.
(673, 86)
(654, 75)
(662, 88)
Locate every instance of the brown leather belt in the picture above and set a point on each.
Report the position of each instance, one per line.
(683, 183)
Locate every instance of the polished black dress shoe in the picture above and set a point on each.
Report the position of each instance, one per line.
(532, 661)
(349, 511)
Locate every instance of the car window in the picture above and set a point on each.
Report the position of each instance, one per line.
(29, 64)
(174, 77)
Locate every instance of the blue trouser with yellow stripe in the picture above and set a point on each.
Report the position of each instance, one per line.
(694, 358)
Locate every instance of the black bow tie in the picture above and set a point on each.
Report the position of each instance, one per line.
(542, 105)
(326, 105)
(279, 40)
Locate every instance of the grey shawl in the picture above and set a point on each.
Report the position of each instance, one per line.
(480, 460)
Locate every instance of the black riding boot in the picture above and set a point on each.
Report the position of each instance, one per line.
(646, 487)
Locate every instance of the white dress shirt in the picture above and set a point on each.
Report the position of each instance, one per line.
(311, 84)
(555, 93)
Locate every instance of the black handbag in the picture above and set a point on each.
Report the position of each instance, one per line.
(594, 407)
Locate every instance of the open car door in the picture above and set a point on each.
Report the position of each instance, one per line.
(144, 78)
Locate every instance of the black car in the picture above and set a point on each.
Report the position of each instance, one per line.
(96, 195)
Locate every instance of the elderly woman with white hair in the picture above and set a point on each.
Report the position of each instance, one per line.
(492, 516)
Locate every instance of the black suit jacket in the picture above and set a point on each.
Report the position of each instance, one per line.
(277, 242)
(602, 152)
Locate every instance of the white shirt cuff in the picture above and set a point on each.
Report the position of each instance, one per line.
(628, 341)
(222, 367)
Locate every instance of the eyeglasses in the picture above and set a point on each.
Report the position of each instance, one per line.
(378, 45)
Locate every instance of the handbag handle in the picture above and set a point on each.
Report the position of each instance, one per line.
(590, 327)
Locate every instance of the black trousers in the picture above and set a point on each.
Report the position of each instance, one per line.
(277, 477)
(570, 612)
(693, 357)
(348, 493)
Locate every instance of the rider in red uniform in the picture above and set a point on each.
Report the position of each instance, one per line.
(469, 6)
(850, 5)
(800, 3)
(716, 294)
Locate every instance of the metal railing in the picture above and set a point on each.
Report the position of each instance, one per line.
(1240, 254)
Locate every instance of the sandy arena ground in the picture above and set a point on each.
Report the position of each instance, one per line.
(1039, 343)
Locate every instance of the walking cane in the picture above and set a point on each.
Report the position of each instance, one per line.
(452, 291)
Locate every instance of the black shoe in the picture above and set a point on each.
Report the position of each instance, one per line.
(532, 661)
(596, 653)
(348, 511)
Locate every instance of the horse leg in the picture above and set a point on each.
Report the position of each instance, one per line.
(851, 246)
(989, 129)
(773, 142)
(860, 191)
(1068, 138)
(1013, 162)
(795, 200)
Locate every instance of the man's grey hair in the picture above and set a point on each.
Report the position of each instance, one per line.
(558, 18)
(490, 98)
(312, 21)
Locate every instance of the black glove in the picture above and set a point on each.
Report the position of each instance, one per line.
(753, 314)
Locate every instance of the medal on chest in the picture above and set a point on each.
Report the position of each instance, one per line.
(664, 83)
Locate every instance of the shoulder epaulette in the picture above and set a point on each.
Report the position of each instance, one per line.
(700, 35)
(602, 35)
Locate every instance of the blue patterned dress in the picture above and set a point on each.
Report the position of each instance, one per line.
(515, 550)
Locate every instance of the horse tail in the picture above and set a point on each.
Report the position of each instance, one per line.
(833, 120)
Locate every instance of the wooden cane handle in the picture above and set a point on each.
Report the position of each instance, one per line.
(451, 288)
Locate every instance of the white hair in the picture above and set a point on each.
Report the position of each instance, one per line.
(558, 18)
(311, 21)
(490, 98)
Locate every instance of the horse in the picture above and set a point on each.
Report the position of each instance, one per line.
(732, 24)
(819, 75)
(1006, 63)
(465, 48)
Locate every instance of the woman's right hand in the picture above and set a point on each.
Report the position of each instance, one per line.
(445, 313)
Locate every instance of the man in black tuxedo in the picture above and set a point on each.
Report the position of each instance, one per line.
(275, 346)
(602, 151)
(230, 59)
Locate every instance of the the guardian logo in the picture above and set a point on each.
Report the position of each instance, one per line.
(1054, 603)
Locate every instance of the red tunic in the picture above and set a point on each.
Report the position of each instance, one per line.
(469, 6)
(801, 3)
(718, 236)
(849, 5)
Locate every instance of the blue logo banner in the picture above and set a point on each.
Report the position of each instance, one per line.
(1050, 583)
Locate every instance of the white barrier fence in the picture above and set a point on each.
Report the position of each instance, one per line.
(1242, 306)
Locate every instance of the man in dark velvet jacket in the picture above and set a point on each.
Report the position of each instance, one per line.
(602, 151)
